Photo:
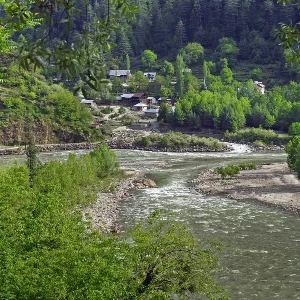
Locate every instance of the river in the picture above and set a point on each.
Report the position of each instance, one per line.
(260, 257)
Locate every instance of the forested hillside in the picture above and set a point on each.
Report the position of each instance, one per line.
(165, 27)
(203, 51)
(31, 108)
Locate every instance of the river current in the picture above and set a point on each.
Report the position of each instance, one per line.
(260, 257)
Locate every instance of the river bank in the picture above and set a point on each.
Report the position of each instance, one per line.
(104, 212)
(272, 184)
(125, 139)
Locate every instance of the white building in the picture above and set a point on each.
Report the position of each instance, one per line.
(260, 86)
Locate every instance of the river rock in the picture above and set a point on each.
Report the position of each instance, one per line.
(149, 183)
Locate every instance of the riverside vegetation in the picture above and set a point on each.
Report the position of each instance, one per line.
(49, 248)
(231, 170)
(178, 141)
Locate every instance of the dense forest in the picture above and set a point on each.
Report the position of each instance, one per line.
(165, 27)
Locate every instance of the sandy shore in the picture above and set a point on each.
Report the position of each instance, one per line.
(104, 212)
(273, 184)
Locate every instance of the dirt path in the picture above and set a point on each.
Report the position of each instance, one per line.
(273, 184)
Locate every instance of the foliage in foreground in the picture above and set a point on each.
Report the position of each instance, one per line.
(231, 170)
(49, 250)
(293, 151)
(178, 140)
(252, 135)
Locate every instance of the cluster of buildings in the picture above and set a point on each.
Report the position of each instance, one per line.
(149, 106)
(138, 101)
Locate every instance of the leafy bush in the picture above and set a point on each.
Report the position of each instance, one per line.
(259, 143)
(50, 250)
(143, 142)
(126, 120)
(232, 170)
(293, 151)
(121, 110)
(294, 129)
(251, 135)
(178, 140)
(106, 110)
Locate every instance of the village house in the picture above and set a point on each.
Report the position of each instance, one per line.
(151, 113)
(152, 100)
(165, 100)
(260, 86)
(139, 97)
(89, 103)
(140, 107)
(125, 99)
(122, 74)
(150, 75)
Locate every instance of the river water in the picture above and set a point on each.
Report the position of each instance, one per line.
(260, 257)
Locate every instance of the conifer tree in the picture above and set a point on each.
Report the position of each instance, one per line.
(180, 35)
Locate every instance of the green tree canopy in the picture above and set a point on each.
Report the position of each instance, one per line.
(293, 151)
(167, 68)
(192, 53)
(148, 59)
(228, 49)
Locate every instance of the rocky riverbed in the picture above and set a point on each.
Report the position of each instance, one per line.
(272, 184)
(104, 211)
(125, 139)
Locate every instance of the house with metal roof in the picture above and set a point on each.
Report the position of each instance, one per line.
(152, 100)
(123, 74)
(151, 113)
(140, 107)
(150, 75)
(90, 103)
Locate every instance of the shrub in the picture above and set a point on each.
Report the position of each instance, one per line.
(178, 140)
(232, 170)
(294, 129)
(107, 110)
(121, 110)
(252, 135)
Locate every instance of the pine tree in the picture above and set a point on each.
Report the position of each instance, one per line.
(180, 35)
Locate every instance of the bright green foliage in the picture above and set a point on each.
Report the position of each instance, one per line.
(138, 81)
(226, 75)
(192, 53)
(149, 58)
(49, 249)
(293, 151)
(25, 95)
(165, 113)
(167, 68)
(250, 135)
(168, 260)
(179, 72)
(232, 170)
(294, 129)
(176, 140)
